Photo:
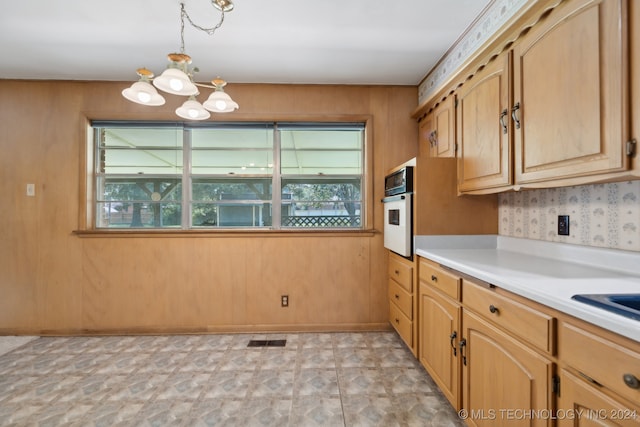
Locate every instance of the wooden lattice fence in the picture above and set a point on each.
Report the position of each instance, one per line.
(321, 221)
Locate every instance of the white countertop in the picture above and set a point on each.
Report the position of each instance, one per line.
(545, 272)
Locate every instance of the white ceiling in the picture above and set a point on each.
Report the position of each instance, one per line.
(276, 41)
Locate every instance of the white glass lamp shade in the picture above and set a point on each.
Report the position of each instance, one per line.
(220, 102)
(192, 110)
(143, 93)
(176, 82)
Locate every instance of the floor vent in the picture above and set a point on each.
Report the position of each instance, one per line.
(267, 343)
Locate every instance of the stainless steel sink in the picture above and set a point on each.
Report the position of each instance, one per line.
(627, 305)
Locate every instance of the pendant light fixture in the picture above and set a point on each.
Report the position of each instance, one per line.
(177, 79)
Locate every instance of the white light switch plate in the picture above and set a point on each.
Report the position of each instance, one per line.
(31, 190)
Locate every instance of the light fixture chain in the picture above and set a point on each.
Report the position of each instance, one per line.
(209, 31)
(182, 15)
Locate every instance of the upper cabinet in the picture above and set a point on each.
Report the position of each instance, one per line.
(570, 105)
(485, 148)
(444, 121)
(437, 130)
(553, 102)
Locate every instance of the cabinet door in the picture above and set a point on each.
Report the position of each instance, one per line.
(426, 135)
(444, 119)
(483, 138)
(582, 404)
(501, 377)
(439, 329)
(571, 94)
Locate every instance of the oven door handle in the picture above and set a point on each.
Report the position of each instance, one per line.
(395, 198)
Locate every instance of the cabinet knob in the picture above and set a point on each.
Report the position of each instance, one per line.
(396, 272)
(397, 320)
(397, 296)
(493, 309)
(434, 278)
(631, 380)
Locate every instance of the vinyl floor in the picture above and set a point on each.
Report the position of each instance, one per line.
(315, 379)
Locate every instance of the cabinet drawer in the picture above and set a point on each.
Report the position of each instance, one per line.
(587, 399)
(600, 359)
(439, 278)
(400, 297)
(531, 325)
(401, 273)
(401, 323)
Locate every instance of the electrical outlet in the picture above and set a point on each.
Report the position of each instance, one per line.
(563, 225)
(284, 300)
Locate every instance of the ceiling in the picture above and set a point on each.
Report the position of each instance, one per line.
(277, 41)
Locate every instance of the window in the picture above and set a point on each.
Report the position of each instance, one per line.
(229, 175)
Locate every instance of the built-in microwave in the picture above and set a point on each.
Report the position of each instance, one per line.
(398, 182)
(398, 208)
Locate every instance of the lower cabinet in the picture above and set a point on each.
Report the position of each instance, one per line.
(402, 303)
(600, 386)
(502, 359)
(439, 324)
(504, 381)
(490, 355)
(582, 403)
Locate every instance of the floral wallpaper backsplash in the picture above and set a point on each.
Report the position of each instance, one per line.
(602, 215)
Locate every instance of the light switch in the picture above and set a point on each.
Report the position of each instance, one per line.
(31, 190)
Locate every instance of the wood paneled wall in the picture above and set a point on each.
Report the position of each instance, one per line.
(53, 281)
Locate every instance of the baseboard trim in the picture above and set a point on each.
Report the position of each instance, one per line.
(211, 329)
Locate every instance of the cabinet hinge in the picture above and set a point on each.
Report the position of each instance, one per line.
(556, 385)
(631, 147)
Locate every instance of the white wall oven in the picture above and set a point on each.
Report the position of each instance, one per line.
(398, 219)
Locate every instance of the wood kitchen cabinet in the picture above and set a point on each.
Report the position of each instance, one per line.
(484, 350)
(553, 109)
(439, 328)
(444, 117)
(519, 362)
(501, 376)
(602, 385)
(502, 372)
(583, 404)
(401, 299)
(437, 130)
(484, 161)
(570, 93)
